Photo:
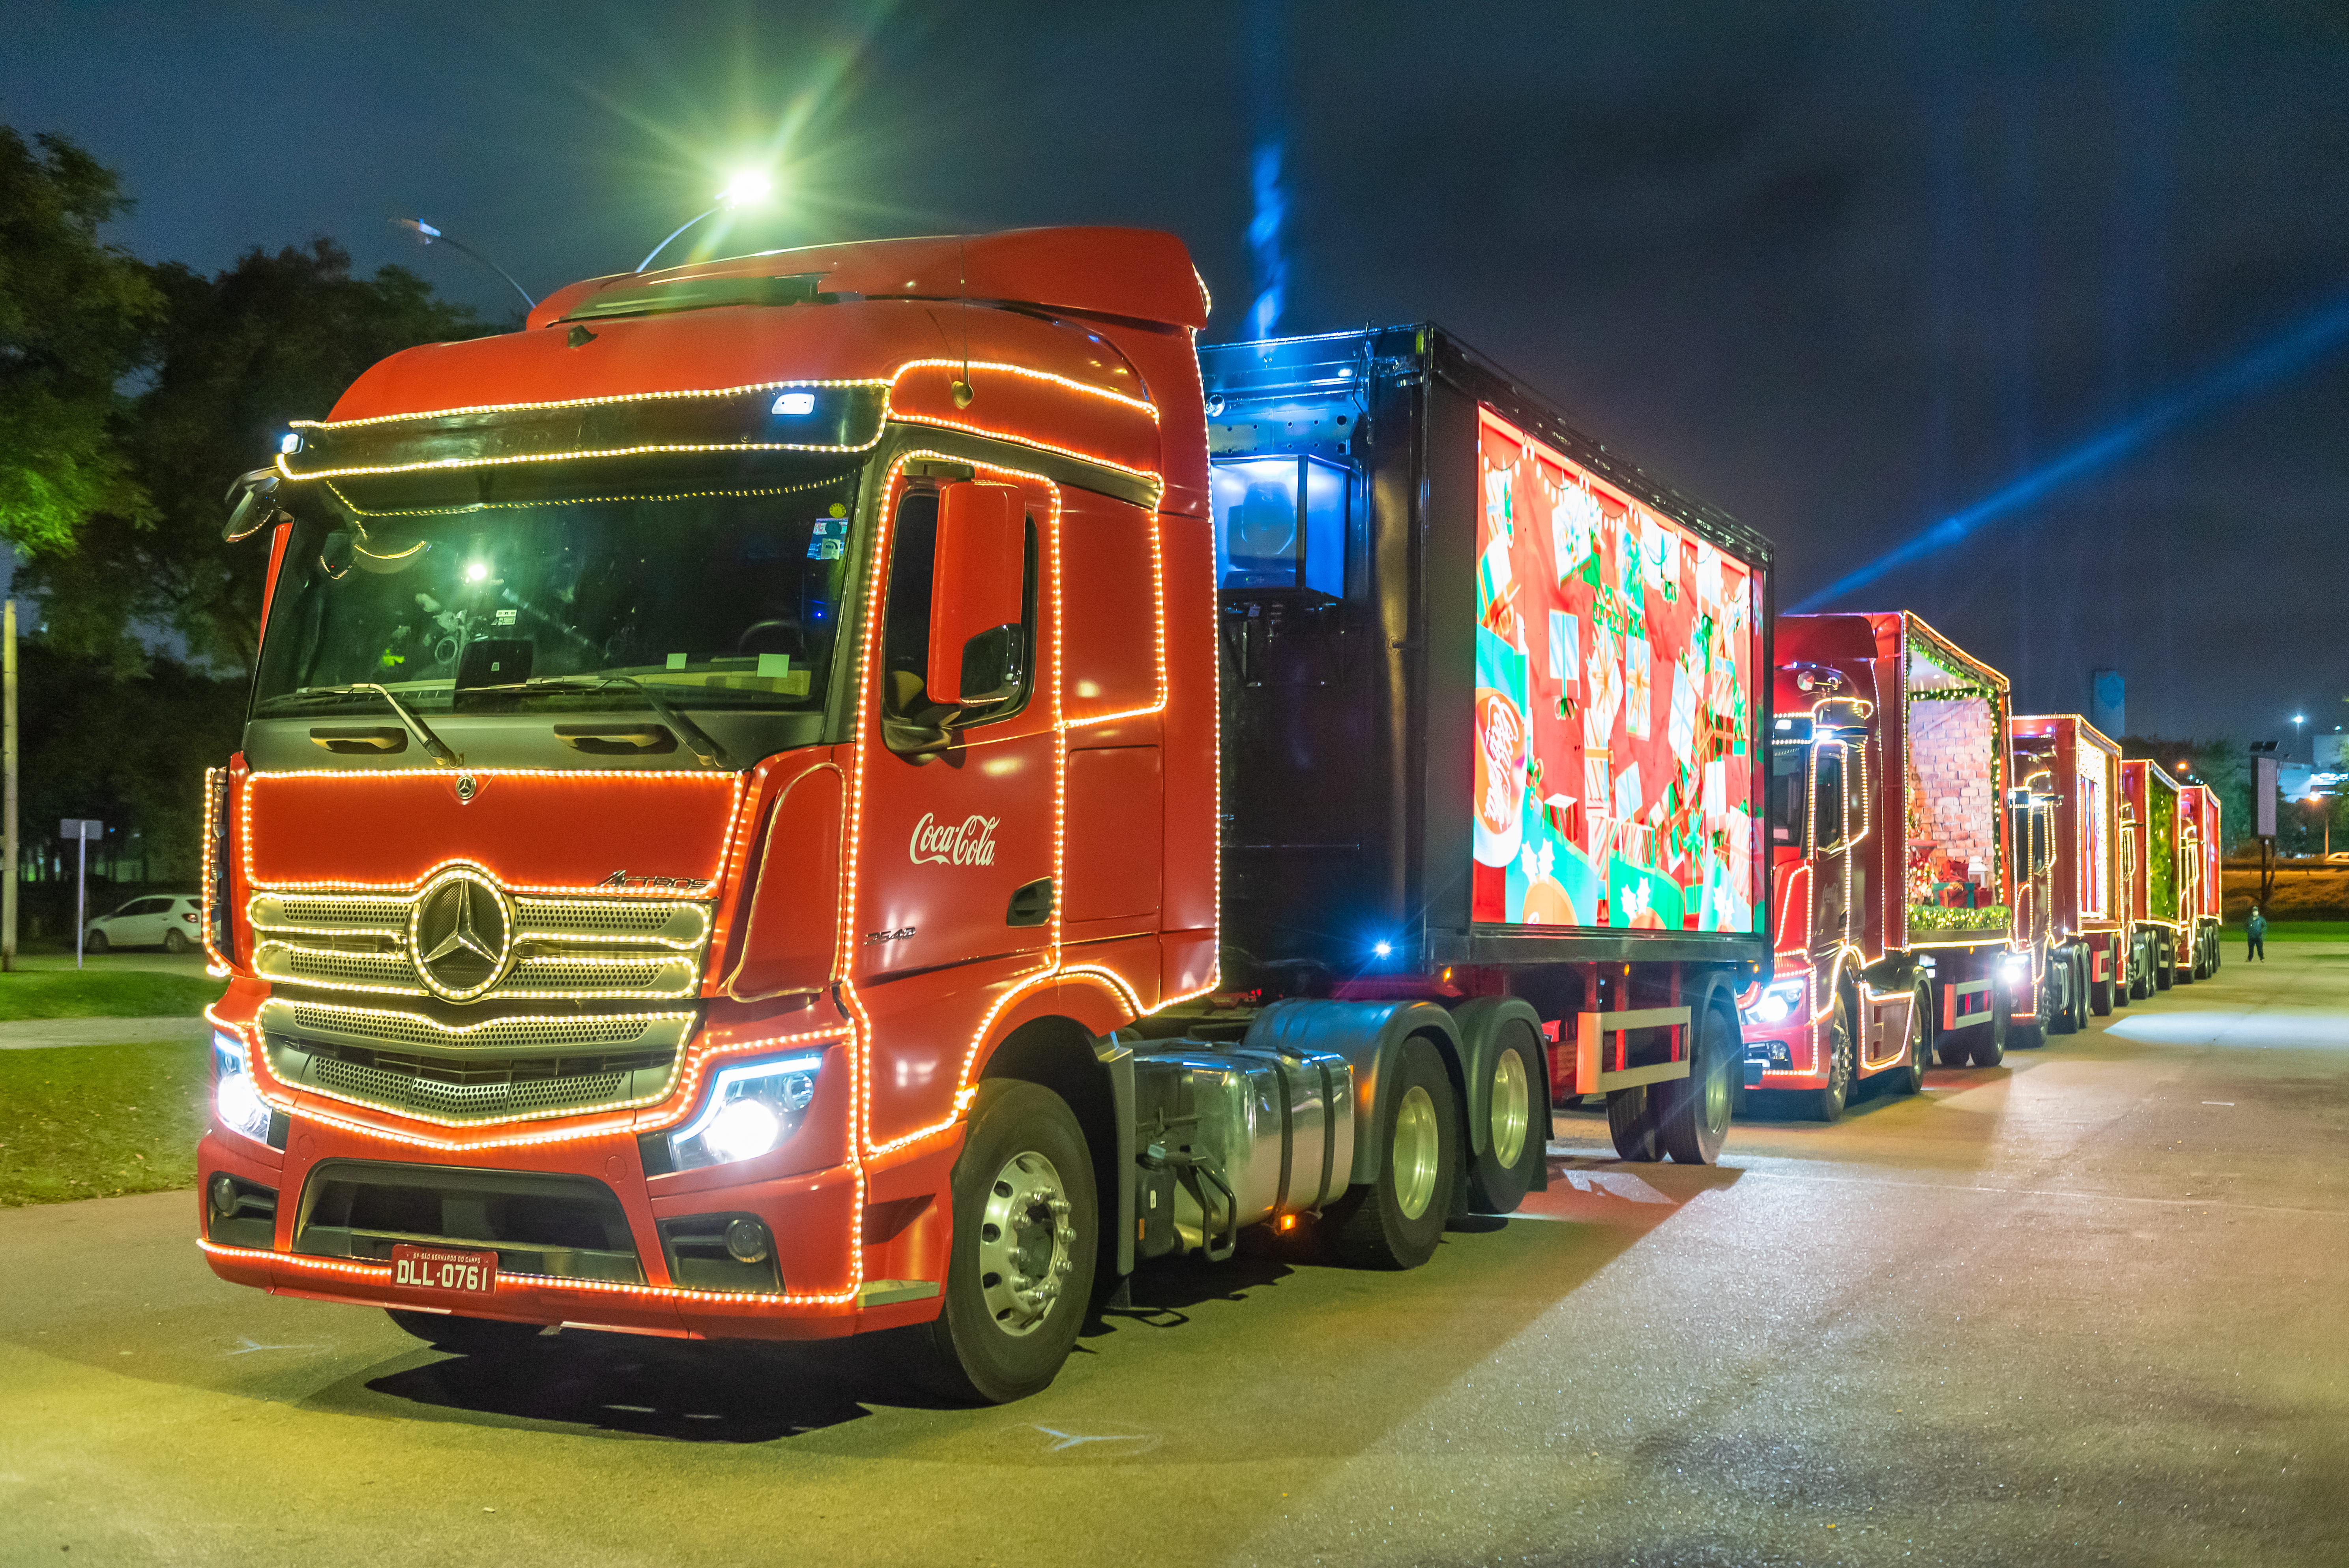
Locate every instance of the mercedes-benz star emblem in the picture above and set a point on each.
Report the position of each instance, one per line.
(461, 934)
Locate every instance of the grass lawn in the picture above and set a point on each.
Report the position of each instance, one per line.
(104, 993)
(96, 1121)
(2296, 930)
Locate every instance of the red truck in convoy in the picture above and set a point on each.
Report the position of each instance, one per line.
(2172, 872)
(1894, 931)
(2067, 801)
(847, 789)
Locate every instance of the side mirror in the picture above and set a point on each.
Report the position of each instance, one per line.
(255, 495)
(976, 585)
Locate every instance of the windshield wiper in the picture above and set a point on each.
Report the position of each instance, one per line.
(697, 740)
(433, 745)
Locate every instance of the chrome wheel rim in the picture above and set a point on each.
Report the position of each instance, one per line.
(1416, 1148)
(1024, 1237)
(1513, 1104)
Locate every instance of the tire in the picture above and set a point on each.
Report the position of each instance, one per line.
(2080, 993)
(2165, 967)
(1631, 1124)
(1500, 1177)
(1988, 1047)
(174, 943)
(1909, 1077)
(2065, 1019)
(1395, 1222)
(467, 1336)
(95, 942)
(1827, 1104)
(1024, 1209)
(1692, 1117)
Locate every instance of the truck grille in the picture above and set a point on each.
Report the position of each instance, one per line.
(585, 948)
(516, 1068)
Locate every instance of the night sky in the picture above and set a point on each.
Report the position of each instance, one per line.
(1842, 270)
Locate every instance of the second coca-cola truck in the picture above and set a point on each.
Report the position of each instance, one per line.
(2066, 802)
(1892, 928)
(839, 790)
(2164, 869)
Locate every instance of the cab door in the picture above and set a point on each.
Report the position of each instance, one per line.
(954, 873)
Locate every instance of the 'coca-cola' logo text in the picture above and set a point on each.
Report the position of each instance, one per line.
(969, 842)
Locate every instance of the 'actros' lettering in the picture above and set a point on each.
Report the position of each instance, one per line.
(969, 842)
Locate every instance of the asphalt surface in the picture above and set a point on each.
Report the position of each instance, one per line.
(2086, 1308)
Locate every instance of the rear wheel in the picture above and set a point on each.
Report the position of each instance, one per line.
(467, 1336)
(1396, 1221)
(174, 943)
(2100, 993)
(1632, 1123)
(1694, 1118)
(1500, 1177)
(2065, 1018)
(2164, 966)
(1827, 1104)
(1026, 1232)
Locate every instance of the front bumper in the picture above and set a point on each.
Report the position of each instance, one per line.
(855, 1244)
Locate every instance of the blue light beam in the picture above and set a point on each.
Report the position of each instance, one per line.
(2262, 364)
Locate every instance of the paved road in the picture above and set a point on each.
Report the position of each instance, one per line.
(2085, 1310)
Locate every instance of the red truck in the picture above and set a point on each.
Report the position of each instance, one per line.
(2068, 829)
(1893, 931)
(2172, 870)
(845, 790)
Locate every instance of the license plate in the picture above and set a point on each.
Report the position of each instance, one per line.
(444, 1269)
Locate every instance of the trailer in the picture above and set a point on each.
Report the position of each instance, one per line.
(1492, 711)
(750, 825)
(2201, 848)
(1894, 935)
(2067, 797)
(2160, 878)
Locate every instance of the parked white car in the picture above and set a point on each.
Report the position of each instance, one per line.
(168, 921)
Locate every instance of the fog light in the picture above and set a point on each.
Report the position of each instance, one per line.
(224, 1195)
(746, 1242)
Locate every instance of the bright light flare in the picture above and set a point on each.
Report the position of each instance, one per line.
(748, 188)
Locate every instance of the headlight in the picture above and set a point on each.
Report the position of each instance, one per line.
(238, 1104)
(751, 1107)
(1777, 1002)
(2016, 967)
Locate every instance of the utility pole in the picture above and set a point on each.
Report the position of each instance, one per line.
(8, 805)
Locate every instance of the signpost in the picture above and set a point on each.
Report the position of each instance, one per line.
(81, 830)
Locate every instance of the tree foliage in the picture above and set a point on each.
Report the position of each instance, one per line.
(2222, 764)
(75, 319)
(276, 338)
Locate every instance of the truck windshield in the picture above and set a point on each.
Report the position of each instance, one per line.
(557, 590)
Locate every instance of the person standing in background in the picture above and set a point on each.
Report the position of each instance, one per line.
(2257, 928)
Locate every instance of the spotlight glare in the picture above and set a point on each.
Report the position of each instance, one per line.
(748, 188)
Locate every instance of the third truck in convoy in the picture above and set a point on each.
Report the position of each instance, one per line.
(874, 788)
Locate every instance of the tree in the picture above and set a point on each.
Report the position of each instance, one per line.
(276, 338)
(2222, 764)
(75, 319)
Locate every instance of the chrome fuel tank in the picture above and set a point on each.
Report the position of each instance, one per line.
(1276, 1127)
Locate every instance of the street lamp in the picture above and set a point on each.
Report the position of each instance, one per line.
(748, 189)
(426, 233)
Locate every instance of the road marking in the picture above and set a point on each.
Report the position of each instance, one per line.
(2050, 1192)
(1073, 1439)
(2226, 1102)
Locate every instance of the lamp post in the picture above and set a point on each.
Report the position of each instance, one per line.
(426, 233)
(745, 190)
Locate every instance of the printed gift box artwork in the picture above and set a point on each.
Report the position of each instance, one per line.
(1615, 655)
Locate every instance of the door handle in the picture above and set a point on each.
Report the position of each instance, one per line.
(1031, 904)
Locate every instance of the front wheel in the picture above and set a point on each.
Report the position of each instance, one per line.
(1909, 1077)
(1500, 1177)
(1827, 1104)
(1026, 1231)
(1988, 1047)
(1694, 1121)
(94, 943)
(1395, 1222)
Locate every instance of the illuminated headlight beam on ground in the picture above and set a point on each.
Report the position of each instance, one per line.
(2253, 370)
